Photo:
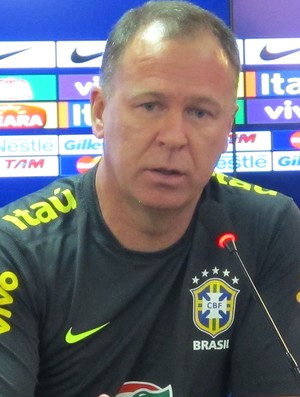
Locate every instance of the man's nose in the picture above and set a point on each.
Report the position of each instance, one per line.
(173, 130)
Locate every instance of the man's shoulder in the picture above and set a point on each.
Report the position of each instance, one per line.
(228, 184)
(41, 210)
(238, 196)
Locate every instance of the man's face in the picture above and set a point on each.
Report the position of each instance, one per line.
(166, 120)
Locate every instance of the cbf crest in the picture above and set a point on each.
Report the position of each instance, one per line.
(214, 304)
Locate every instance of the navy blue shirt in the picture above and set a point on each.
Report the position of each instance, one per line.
(80, 315)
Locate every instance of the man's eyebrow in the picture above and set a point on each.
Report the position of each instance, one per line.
(204, 99)
(153, 94)
(193, 98)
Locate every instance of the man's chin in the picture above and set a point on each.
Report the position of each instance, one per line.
(162, 205)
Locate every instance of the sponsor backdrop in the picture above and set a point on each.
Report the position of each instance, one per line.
(269, 41)
(50, 55)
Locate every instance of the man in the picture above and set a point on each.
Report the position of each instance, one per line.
(110, 281)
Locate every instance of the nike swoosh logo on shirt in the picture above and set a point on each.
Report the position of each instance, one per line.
(9, 54)
(71, 338)
(77, 58)
(272, 56)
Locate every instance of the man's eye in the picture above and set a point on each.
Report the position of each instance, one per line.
(149, 106)
(199, 113)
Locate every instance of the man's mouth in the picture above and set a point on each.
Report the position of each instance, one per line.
(166, 171)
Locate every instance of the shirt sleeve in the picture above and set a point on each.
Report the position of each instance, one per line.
(18, 321)
(259, 363)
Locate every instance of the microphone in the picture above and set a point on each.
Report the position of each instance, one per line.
(218, 225)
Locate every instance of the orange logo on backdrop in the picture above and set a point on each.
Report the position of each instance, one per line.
(22, 116)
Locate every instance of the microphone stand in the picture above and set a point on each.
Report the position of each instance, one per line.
(230, 245)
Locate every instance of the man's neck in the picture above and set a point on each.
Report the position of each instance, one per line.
(144, 229)
(140, 228)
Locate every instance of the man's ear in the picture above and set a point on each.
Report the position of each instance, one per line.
(225, 147)
(97, 107)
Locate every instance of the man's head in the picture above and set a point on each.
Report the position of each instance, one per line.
(174, 19)
(166, 106)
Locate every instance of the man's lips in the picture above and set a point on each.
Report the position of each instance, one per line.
(166, 176)
(167, 171)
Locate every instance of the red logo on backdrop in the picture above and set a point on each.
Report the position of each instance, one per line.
(22, 116)
(295, 139)
(85, 163)
(20, 162)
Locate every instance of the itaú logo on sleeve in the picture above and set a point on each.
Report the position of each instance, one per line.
(22, 116)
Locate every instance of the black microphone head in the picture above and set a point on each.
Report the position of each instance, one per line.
(218, 224)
